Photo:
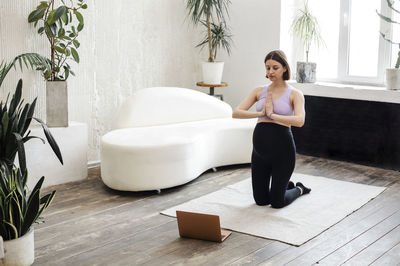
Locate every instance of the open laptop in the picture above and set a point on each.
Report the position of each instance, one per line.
(200, 226)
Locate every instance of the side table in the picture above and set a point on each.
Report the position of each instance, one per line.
(212, 86)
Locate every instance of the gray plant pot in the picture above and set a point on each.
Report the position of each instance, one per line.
(306, 72)
(56, 104)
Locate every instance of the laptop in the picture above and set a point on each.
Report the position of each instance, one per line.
(200, 226)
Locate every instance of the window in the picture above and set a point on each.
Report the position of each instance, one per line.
(354, 51)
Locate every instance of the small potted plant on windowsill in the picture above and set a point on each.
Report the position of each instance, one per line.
(305, 27)
(62, 31)
(392, 74)
(211, 14)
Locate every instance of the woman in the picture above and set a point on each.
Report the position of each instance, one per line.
(279, 106)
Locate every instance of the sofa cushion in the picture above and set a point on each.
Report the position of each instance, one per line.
(168, 105)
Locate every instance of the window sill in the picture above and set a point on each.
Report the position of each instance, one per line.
(348, 91)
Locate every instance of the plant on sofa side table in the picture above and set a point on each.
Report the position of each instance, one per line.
(19, 210)
(62, 31)
(305, 27)
(392, 74)
(211, 14)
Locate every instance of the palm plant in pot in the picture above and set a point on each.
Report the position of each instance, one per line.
(18, 208)
(61, 25)
(392, 74)
(305, 27)
(211, 14)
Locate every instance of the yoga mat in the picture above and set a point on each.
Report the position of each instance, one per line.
(329, 202)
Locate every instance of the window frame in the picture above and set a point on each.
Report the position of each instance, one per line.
(384, 53)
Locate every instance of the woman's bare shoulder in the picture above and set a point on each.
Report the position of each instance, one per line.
(257, 91)
(296, 92)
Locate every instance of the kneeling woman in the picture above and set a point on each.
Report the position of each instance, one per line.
(279, 106)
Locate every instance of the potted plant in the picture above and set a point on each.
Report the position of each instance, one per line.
(211, 14)
(61, 25)
(305, 27)
(392, 74)
(18, 210)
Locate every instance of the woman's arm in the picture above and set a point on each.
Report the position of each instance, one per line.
(298, 118)
(242, 110)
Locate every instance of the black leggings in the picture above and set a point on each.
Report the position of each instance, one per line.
(274, 155)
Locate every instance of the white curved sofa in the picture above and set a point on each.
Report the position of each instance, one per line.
(165, 136)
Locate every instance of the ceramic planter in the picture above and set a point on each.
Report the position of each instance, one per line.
(56, 104)
(212, 72)
(20, 251)
(306, 72)
(393, 79)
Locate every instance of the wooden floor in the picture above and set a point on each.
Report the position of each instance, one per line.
(89, 224)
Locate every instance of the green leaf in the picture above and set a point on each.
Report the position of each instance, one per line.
(61, 32)
(80, 27)
(21, 152)
(51, 140)
(32, 209)
(66, 69)
(75, 55)
(64, 18)
(56, 15)
(59, 49)
(4, 123)
(41, 29)
(76, 43)
(79, 16)
(36, 15)
(84, 6)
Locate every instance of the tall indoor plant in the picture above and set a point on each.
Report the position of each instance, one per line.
(392, 74)
(212, 15)
(61, 24)
(305, 27)
(18, 208)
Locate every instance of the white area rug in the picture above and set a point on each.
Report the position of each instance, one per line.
(329, 202)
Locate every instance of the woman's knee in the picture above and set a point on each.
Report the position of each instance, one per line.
(277, 204)
(260, 201)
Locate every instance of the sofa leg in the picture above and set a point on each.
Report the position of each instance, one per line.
(158, 191)
(214, 169)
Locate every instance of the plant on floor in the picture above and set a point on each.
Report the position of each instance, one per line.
(62, 31)
(17, 210)
(305, 27)
(390, 20)
(14, 125)
(211, 14)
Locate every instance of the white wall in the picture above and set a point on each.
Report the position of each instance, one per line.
(256, 27)
(129, 45)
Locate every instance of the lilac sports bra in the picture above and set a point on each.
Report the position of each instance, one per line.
(282, 105)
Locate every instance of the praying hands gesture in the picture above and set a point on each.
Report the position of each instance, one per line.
(269, 105)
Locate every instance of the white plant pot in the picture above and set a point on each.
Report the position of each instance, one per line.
(56, 104)
(393, 79)
(212, 72)
(20, 251)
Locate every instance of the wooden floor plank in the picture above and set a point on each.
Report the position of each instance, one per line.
(372, 211)
(89, 224)
(392, 257)
(351, 248)
(377, 249)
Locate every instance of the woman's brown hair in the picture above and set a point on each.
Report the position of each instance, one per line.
(279, 55)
